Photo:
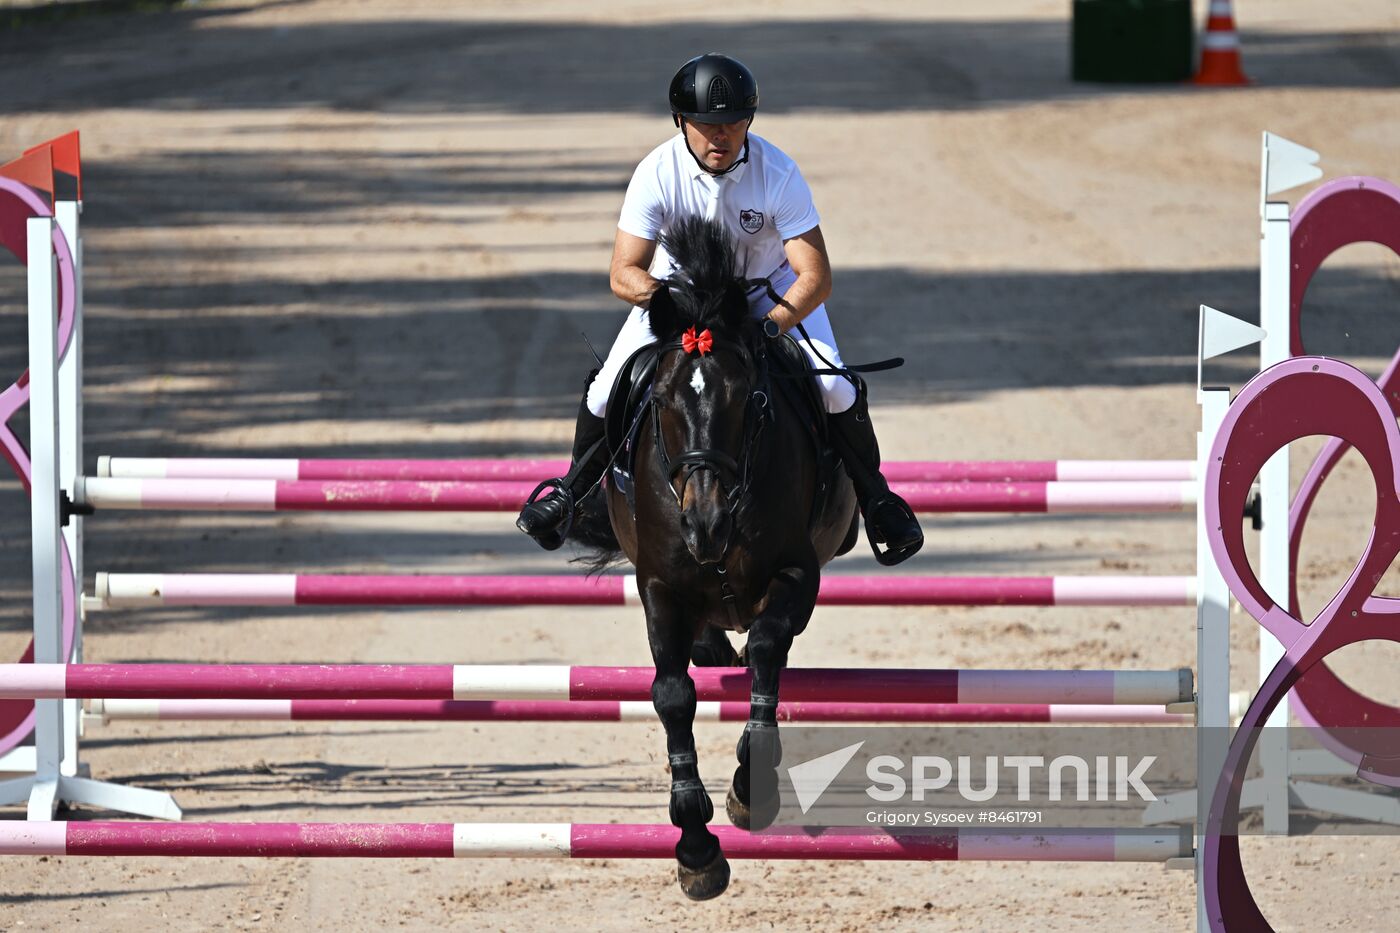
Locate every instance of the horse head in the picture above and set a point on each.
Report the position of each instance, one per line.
(706, 380)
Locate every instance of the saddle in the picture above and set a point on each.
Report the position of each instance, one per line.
(788, 374)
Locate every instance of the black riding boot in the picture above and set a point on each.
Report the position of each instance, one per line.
(547, 520)
(888, 518)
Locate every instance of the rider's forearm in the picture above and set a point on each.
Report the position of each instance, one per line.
(809, 291)
(633, 284)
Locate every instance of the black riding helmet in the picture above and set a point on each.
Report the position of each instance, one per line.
(713, 88)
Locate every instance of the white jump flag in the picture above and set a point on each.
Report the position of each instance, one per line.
(1287, 165)
(1221, 333)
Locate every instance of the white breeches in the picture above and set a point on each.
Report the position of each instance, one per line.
(837, 392)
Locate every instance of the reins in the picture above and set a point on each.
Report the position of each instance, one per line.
(847, 371)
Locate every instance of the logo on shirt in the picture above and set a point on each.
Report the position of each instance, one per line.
(751, 221)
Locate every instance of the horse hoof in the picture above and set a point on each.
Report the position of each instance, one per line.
(702, 884)
(752, 816)
(738, 811)
(763, 813)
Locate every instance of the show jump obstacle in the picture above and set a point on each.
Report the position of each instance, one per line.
(969, 486)
(485, 471)
(278, 495)
(565, 840)
(562, 682)
(142, 590)
(1316, 396)
(56, 677)
(617, 711)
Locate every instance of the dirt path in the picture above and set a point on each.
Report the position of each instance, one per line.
(375, 229)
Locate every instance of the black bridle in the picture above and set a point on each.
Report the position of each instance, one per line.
(735, 474)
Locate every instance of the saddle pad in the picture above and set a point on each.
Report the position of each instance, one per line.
(805, 394)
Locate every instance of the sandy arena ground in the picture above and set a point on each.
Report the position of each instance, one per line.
(366, 228)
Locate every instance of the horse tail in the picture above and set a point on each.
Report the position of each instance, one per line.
(593, 530)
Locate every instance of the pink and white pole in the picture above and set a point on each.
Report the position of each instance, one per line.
(562, 682)
(604, 711)
(125, 591)
(275, 495)
(568, 840)
(504, 470)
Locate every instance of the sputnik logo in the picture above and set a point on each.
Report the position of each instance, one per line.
(811, 778)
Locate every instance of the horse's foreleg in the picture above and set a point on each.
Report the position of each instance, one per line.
(701, 868)
(792, 595)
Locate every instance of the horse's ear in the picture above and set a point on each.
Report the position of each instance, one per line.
(663, 315)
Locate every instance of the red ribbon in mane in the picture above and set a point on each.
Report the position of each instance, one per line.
(691, 341)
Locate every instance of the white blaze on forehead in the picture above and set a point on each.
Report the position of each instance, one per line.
(697, 381)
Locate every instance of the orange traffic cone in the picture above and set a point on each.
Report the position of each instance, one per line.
(1220, 48)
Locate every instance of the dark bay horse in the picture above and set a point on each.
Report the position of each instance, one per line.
(724, 535)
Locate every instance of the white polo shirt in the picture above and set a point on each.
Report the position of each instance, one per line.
(763, 202)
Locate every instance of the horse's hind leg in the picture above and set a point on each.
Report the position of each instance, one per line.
(713, 649)
(791, 597)
(701, 869)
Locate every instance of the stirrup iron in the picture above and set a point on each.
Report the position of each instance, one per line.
(890, 556)
(553, 540)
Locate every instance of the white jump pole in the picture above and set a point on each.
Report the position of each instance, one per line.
(70, 459)
(45, 537)
(1212, 648)
(1276, 230)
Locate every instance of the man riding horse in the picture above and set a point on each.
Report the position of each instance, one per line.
(715, 168)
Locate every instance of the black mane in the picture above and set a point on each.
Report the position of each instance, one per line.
(707, 289)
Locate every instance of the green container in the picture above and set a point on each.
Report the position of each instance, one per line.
(1138, 41)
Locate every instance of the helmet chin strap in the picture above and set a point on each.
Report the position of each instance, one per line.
(680, 121)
